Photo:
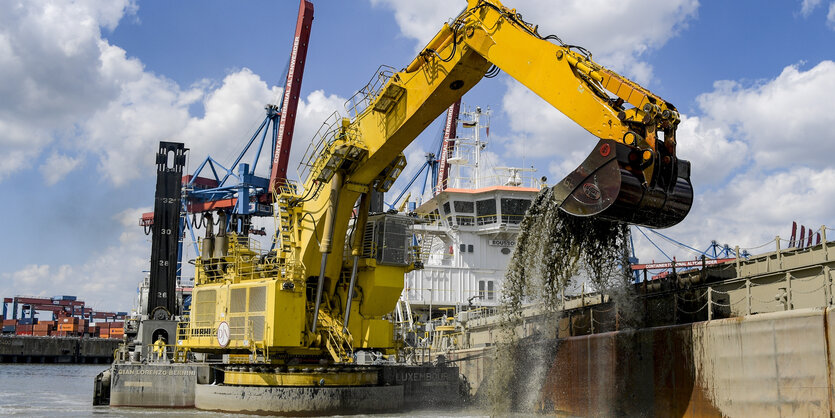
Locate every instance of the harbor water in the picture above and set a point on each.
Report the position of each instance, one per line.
(62, 390)
(50, 390)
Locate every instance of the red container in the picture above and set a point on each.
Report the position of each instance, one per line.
(24, 329)
(9, 322)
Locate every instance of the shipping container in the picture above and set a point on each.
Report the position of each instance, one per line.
(8, 328)
(23, 329)
(9, 322)
(71, 328)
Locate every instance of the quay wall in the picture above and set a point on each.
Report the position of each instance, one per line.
(30, 349)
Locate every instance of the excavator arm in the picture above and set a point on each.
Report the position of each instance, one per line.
(330, 282)
(633, 175)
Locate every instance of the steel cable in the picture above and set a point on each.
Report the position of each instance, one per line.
(809, 291)
(694, 312)
(697, 299)
(759, 246)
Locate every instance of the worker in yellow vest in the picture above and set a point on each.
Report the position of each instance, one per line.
(159, 349)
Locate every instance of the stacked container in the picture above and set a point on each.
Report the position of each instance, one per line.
(44, 329)
(104, 330)
(70, 327)
(9, 326)
(23, 329)
(117, 330)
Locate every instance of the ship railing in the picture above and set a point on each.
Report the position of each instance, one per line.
(527, 180)
(445, 296)
(434, 220)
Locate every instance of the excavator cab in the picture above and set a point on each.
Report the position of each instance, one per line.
(627, 184)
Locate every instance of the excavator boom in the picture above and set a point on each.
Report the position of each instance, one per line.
(330, 281)
(633, 175)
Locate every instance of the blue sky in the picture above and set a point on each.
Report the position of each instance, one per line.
(89, 88)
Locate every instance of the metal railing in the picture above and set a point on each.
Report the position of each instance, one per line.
(469, 220)
(326, 134)
(363, 98)
(244, 260)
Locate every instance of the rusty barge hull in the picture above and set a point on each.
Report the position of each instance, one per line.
(775, 364)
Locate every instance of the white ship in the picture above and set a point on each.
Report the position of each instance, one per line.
(472, 219)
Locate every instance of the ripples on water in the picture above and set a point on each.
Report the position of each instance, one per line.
(50, 390)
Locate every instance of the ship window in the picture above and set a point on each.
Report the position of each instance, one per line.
(481, 290)
(464, 220)
(486, 211)
(462, 206)
(491, 294)
(463, 248)
(470, 248)
(447, 211)
(513, 210)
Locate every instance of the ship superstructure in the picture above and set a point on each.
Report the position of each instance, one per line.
(470, 223)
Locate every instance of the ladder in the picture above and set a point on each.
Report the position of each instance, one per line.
(426, 247)
(404, 313)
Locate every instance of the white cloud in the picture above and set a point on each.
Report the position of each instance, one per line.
(830, 16)
(107, 281)
(760, 159)
(712, 152)
(49, 72)
(421, 20)
(57, 166)
(808, 6)
(787, 121)
(617, 33)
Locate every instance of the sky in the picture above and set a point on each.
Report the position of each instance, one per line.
(90, 87)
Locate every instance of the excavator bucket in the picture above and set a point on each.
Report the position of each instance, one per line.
(608, 184)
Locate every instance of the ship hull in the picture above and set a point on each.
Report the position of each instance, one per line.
(775, 364)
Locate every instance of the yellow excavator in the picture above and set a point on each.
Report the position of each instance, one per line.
(323, 294)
